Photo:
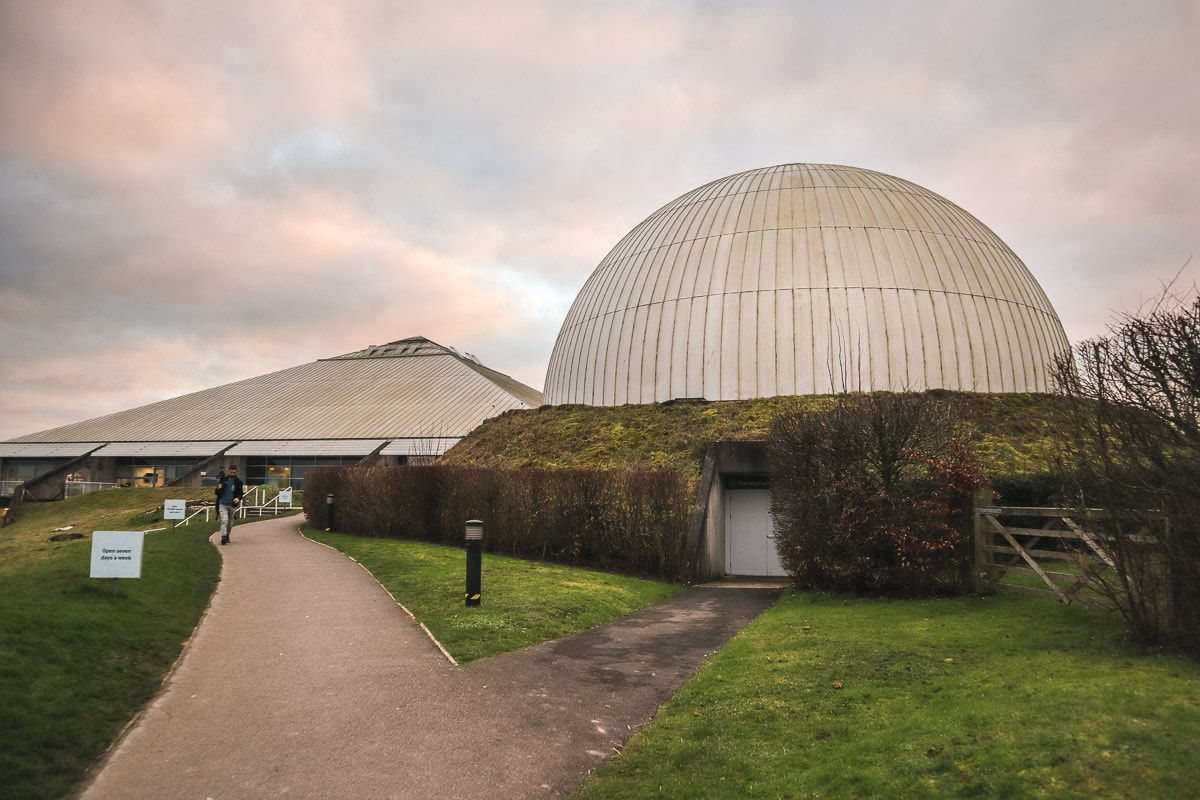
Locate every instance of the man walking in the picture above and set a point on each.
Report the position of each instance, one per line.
(229, 497)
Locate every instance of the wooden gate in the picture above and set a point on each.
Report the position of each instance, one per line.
(1050, 545)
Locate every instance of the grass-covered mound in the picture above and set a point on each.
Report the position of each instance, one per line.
(1017, 434)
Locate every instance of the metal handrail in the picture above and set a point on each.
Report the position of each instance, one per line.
(247, 507)
(268, 506)
(201, 510)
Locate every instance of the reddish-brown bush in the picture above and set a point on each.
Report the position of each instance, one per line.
(873, 496)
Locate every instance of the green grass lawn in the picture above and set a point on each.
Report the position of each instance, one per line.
(76, 660)
(523, 602)
(999, 697)
(1005, 696)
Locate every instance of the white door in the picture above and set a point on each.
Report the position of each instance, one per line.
(750, 534)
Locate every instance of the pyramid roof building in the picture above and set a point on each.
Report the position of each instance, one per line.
(408, 388)
(412, 398)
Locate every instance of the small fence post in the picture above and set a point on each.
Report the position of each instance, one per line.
(981, 564)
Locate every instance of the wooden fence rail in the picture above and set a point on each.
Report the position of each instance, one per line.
(1060, 541)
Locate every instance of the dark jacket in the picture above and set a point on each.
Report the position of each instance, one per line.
(238, 487)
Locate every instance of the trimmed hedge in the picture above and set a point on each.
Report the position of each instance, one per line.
(632, 522)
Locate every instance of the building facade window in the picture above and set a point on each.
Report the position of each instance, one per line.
(24, 469)
(151, 472)
(283, 472)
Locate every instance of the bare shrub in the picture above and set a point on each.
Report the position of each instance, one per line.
(1135, 452)
(872, 495)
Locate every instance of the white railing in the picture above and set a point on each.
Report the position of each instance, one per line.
(201, 510)
(9, 488)
(254, 503)
(271, 507)
(77, 488)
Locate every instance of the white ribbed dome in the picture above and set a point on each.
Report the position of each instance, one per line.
(804, 279)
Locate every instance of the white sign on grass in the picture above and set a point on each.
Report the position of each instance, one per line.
(174, 509)
(285, 496)
(117, 554)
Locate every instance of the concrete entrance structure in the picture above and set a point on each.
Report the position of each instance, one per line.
(731, 530)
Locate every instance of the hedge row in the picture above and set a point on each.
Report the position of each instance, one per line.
(633, 522)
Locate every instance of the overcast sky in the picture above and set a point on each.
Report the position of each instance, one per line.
(193, 193)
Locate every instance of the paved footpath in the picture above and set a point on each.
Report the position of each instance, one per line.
(305, 679)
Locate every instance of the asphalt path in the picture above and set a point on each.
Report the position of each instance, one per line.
(306, 679)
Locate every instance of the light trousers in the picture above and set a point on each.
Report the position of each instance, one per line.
(225, 513)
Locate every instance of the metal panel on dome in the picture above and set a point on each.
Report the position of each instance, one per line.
(803, 279)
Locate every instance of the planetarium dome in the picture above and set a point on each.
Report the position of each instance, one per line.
(804, 279)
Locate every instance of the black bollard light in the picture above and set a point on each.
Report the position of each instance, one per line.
(474, 560)
(329, 512)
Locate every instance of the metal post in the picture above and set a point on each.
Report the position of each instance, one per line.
(329, 512)
(474, 560)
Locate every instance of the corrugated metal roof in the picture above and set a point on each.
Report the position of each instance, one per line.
(310, 447)
(47, 450)
(158, 449)
(428, 391)
(418, 447)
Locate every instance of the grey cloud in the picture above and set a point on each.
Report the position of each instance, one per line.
(196, 193)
